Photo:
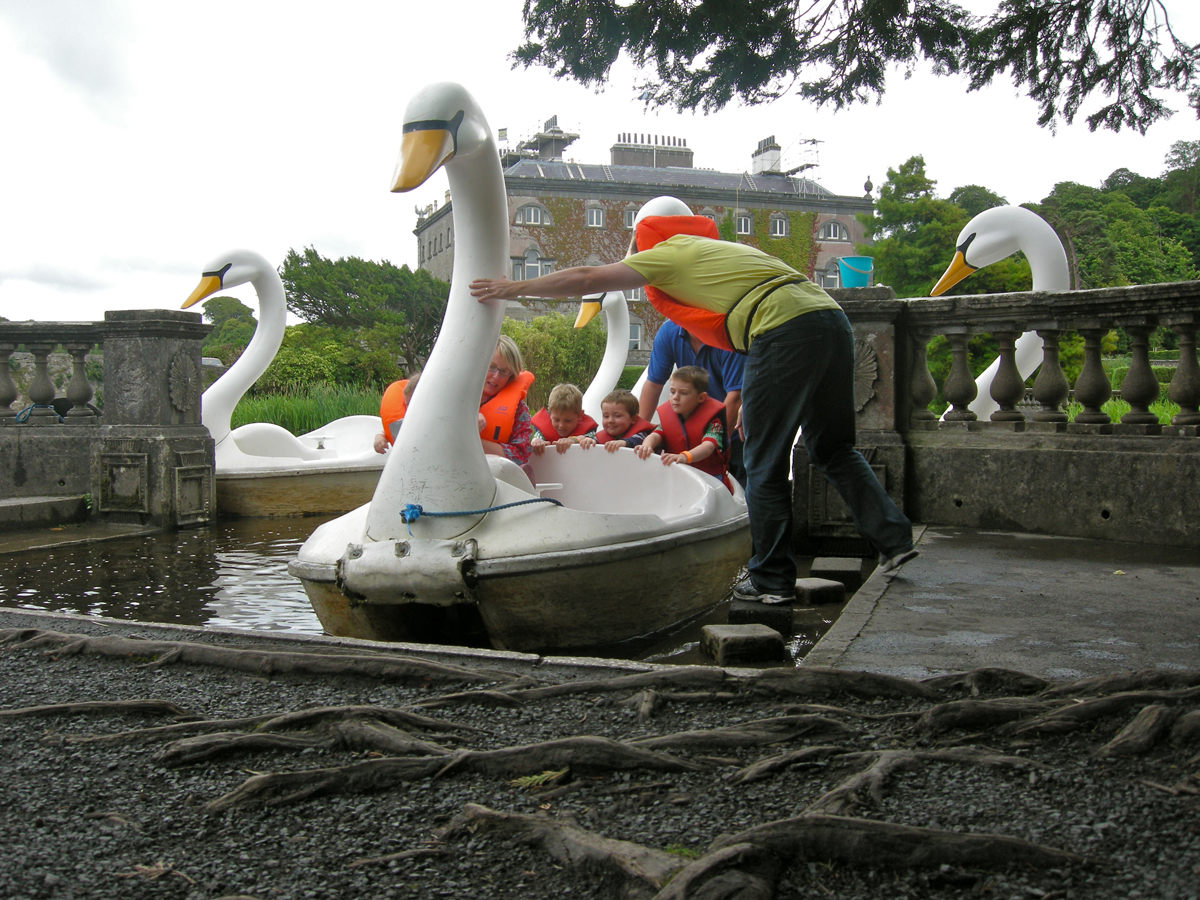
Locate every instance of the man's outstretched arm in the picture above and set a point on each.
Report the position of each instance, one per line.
(573, 282)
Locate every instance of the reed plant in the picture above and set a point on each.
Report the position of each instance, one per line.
(306, 409)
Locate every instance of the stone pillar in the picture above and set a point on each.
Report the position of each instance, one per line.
(1008, 387)
(1092, 388)
(1185, 386)
(960, 388)
(154, 460)
(1050, 387)
(1139, 388)
(8, 390)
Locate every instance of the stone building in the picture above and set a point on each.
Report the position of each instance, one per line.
(564, 213)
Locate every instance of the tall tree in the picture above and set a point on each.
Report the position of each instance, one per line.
(707, 53)
(914, 233)
(357, 294)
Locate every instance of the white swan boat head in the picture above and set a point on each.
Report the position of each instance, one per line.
(539, 575)
(989, 237)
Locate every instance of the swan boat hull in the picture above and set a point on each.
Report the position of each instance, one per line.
(566, 592)
(266, 493)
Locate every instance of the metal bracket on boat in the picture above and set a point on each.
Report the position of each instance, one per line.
(434, 572)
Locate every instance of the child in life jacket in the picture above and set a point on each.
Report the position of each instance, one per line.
(622, 426)
(562, 422)
(392, 408)
(692, 428)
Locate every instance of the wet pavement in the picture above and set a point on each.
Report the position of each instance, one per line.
(1059, 608)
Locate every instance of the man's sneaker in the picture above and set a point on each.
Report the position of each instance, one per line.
(890, 568)
(745, 590)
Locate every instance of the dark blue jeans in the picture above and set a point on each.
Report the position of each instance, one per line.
(801, 376)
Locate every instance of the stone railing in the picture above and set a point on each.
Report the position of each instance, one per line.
(147, 459)
(1137, 310)
(1019, 470)
(41, 339)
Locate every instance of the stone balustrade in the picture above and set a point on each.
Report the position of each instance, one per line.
(1020, 469)
(1138, 310)
(147, 459)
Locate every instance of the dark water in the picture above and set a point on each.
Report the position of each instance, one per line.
(234, 574)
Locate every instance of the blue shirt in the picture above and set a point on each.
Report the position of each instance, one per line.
(673, 347)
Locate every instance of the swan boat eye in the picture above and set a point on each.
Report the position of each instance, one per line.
(448, 125)
(219, 274)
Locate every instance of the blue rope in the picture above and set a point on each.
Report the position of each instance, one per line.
(414, 511)
(24, 414)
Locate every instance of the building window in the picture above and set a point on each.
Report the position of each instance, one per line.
(832, 231)
(830, 277)
(630, 214)
(710, 216)
(779, 227)
(636, 294)
(532, 215)
(635, 335)
(743, 224)
(595, 217)
(531, 266)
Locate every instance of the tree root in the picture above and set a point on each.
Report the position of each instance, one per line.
(260, 662)
(989, 680)
(585, 752)
(1146, 679)
(980, 713)
(1142, 734)
(748, 734)
(765, 768)
(147, 707)
(581, 849)
(737, 865)
(1075, 715)
(822, 681)
(867, 785)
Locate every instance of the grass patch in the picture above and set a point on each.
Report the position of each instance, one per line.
(304, 410)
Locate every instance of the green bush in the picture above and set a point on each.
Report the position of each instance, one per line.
(630, 376)
(1163, 374)
(556, 352)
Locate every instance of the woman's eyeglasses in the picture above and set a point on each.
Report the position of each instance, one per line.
(496, 370)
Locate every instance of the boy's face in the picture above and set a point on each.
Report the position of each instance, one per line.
(615, 418)
(685, 397)
(565, 420)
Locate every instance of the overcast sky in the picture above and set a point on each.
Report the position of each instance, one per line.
(141, 139)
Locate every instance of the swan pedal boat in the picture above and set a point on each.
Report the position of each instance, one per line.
(634, 548)
(263, 469)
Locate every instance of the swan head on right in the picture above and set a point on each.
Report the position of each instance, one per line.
(441, 123)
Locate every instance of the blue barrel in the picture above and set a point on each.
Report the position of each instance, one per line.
(855, 270)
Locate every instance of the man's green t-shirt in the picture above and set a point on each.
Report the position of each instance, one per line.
(716, 275)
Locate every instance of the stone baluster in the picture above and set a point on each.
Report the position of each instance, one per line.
(1139, 388)
(960, 388)
(8, 390)
(1093, 388)
(41, 388)
(922, 388)
(1050, 388)
(79, 389)
(1185, 385)
(1008, 388)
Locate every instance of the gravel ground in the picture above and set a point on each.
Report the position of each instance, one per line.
(100, 821)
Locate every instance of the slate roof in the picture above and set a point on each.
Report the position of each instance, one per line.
(665, 177)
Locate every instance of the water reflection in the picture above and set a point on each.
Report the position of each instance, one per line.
(230, 574)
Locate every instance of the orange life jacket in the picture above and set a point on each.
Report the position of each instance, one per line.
(706, 325)
(683, 434)
(543, 424)
(392, 408)
(500, 413)
(639, 426)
